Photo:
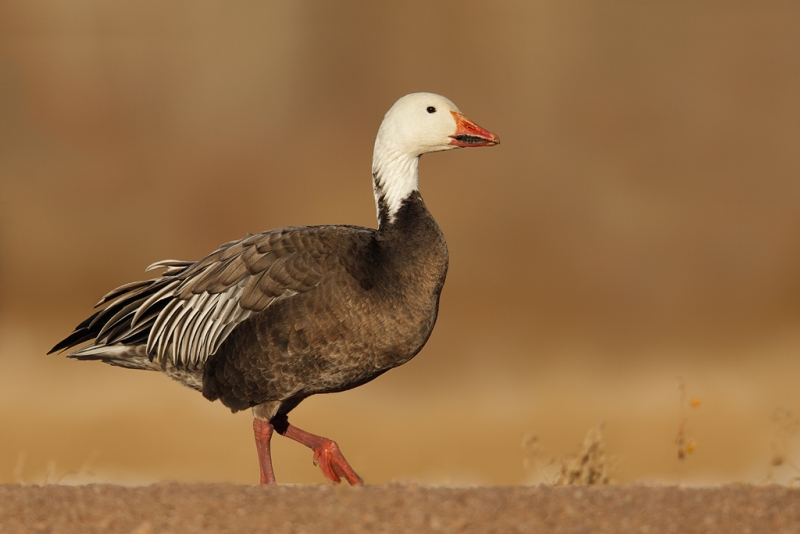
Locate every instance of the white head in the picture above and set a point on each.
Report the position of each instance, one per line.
(415, 125)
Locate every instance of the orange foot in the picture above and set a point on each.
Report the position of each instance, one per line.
(326, 455)
(330, 459)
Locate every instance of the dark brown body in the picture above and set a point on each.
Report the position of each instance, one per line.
(373, 310)
(328, 308)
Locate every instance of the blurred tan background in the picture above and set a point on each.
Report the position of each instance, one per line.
(638, 224)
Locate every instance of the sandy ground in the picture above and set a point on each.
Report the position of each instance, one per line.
(397, 508)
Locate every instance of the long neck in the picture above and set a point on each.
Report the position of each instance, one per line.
(394, 178)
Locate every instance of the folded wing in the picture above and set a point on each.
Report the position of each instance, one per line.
(184, 315)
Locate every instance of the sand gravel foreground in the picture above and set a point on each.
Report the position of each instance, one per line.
(179, 508)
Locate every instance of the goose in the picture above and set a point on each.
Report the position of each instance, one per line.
(266, 321)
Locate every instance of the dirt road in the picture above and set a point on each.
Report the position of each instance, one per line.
(180, 508)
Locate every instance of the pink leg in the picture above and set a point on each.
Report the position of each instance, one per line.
(326, 455)
(263, 431)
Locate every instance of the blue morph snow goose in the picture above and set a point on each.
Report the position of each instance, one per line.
(266, 321)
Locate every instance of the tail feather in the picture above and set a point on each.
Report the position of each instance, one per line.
(128, 356)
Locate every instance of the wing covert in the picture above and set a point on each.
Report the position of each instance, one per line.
(228, 286)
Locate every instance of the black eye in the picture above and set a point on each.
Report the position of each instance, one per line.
(431, 109)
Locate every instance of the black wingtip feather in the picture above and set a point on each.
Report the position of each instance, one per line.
(76, 338)
(86, 322)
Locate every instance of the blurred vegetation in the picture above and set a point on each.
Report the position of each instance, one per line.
(638, 223)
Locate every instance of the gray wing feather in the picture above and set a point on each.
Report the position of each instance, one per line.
(132, 289)
(183, 316)
(163, 293)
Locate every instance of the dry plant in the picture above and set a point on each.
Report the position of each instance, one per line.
(51, 473)
(685, 444)
(785, 431)
(589, 466)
